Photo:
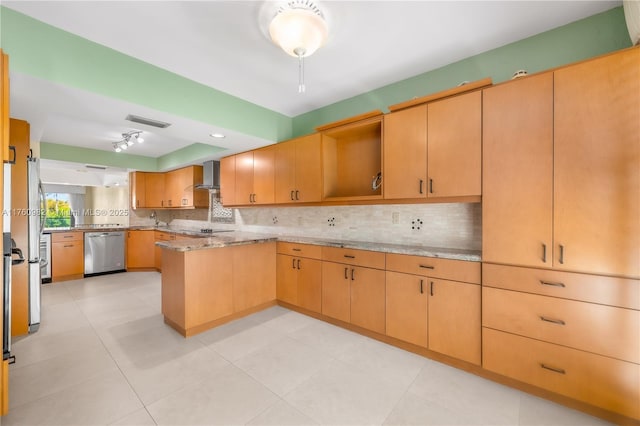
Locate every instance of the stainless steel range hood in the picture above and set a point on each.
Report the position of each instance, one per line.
(210, 175)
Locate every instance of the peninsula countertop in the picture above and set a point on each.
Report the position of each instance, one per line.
(225, 239)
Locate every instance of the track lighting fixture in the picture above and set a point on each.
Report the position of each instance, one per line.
(127, 140)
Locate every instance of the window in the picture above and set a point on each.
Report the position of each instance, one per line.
(58, 210)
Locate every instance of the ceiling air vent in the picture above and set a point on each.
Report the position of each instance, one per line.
(147, 121)
(92, 166)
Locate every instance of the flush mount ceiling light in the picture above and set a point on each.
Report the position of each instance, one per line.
(127, 140)
(299, 28)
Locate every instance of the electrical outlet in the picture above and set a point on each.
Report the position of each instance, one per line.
(331, 221)
(275, 220)
(416, 224)
(395, 218)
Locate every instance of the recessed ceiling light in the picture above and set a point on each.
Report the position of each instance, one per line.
(217, 135)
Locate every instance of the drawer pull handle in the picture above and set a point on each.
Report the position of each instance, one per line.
(421, 182)
(431, 288)
(544, 253)
(555, 321)
(346, 270)
(298, 264)
(421, 290)
(296, 249)
(554, 369)
(353, 271)
(293, 263)
(552, 284)
(68, 245)
(348, 256)
(292, 195)
(561, 259)
(427, 267)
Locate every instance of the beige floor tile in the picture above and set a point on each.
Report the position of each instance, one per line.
(467, 395)
(340, 394)
(229, 397)
(283, 365)
(157, 376)
(245, 342)
(290, 322)
(281, 414)
(384, 361)
(39, 347)
(147, 337)
(61, 317)
(114, 308)
(140, 417)
(327, 338)
(413, 410)
(52, 294)
(100, 400)
(39, 379)
(227, 330)
(539, 412)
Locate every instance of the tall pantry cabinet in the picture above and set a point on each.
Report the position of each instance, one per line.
(561, 231)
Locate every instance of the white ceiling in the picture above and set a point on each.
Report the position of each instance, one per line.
(224, 45)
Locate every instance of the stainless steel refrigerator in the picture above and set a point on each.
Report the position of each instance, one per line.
(37, 210)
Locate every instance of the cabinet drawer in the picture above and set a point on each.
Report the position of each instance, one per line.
(300, 250)
(622, 292)
(370, 259)
(598, 380)
(605, 330)
(60, 237)
(456, 270)
(164, 236)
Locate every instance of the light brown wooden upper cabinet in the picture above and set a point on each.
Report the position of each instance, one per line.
(255, 176)
(405, 153)
(562, 168)
(434, 150)
(146, 190)
(228, 180)
(597, 165)
(298, 170)
(352, 159)
(180, 190)
(517, 193)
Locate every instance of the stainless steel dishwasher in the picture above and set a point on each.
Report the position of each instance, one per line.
(103, 252)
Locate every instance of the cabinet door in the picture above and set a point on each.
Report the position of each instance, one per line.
(172, 192)
(139, 245)
(228, 180)
(309, 284)
(154, 190)
(254, 275)
(405, 153)
(308, 176)
(137, 189)
(285, 171)
(517, 193)
(244, 178)
(336, 298)
(597, 165)
(454, 146)
(406, 307)
(368, 298)
(454, 319)
(287, 279)
(67, 259)
(264, 175)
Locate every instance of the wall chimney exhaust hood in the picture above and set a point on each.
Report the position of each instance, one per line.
(210, 175)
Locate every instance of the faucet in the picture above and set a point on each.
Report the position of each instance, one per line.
(155, 217)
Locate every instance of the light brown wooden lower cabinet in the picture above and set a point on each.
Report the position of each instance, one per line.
(441, 315)
(205, 288)
(605, 382)
(140, 249)
(354, 294)
(299, 281)
(67, 255)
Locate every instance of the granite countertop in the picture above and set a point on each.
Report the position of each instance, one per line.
(225, 239)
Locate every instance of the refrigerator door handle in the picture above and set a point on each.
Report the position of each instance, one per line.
(43, 206)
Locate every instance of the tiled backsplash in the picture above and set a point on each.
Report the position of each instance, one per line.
(451, 225)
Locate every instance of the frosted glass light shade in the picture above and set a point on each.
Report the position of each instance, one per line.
(632, 17)
(298, 31)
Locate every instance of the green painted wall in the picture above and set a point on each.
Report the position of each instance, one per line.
(49, 53)
(76, 154)
(188, 154)
(595, 35)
